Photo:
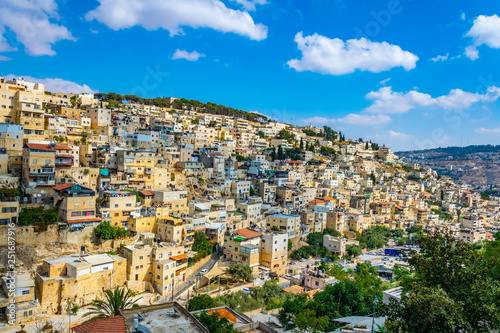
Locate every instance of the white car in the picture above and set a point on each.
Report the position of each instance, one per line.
(303, 259)
(204, 271)
(246, 290)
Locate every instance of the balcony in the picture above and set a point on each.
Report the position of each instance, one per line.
(64, 161)
(148, 171)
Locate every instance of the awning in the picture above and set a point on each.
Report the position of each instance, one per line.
(94, 219)
(179, 257)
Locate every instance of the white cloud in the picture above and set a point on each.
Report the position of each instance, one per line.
(189, 56)
(334, 56)
(387, 101)
(172, 15)
(462, 16)
(30, 21)
(399, 136)
(384, 82)
(250, 4)
(361, 119)
(485, 30)
(317, 120)
(4, 58)
(350, 119)
(483, 130)
(441, 57)
(57, 85)
(471, 52)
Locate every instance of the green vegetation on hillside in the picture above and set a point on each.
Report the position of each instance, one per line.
(117, 99)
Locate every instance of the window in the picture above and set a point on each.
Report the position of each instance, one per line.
(26, 292)
(141, 257)
(34, 160)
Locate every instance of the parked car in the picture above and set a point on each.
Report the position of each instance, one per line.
(287, 276)
(204, 271)
(368, 262)
(246, 290)
(386, 259)
(292, 262)
(303, 259)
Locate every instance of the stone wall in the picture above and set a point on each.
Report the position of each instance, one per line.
(27, 235)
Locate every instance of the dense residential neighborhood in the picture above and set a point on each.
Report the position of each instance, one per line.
(203, 218)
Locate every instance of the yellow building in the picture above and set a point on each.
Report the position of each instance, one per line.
(118, 207)
(274, 252)
(39, 170)
(76, 204)
(11, 139)
(78, 279)
(242, 246)
(138, 166)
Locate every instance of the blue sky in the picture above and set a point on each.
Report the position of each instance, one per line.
(410, 74)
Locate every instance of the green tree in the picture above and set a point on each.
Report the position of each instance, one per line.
(195, 121)
(281, 156)
(114, 301)
(307, 321)
(261, 134)
(201, 302)
(215, 323)
(273, 155)
(452, 276)
(252, 191)
(485, 196)
(353, 250)
(239, 272)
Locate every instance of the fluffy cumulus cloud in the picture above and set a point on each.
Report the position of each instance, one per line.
(350, 119)
(363, 119)
(172, 15)
(483, 130)
(334, 56)
(189, 56)
(250, 4)
(485, 30)
(399, 136)
(386, 101)
(57, 85)
(31, 23)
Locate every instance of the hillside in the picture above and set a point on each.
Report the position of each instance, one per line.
(478, 165)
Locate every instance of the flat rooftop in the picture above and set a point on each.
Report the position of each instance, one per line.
(167, 317)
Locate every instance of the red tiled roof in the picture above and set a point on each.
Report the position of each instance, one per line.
(317, 201)
(63, 186)
(293, 162)
(92, 219)
(62, 147)
(179, 257)
(247, 233)
(146, 192)
(39, 146)
(65, 155)
(114, 324)
(215, 154)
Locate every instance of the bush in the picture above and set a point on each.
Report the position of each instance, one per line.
(106, 231)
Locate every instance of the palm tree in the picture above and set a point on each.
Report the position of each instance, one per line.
(74, 100)
(115, 300)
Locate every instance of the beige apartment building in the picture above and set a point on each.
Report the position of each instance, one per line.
(138, 167)
(175, 201)
(11, 139)
(76, 204)
(274, 252)
(147, 263)
(287, 223)
(118, 207)
(39, 170)
(242, 246)
(78, 279)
